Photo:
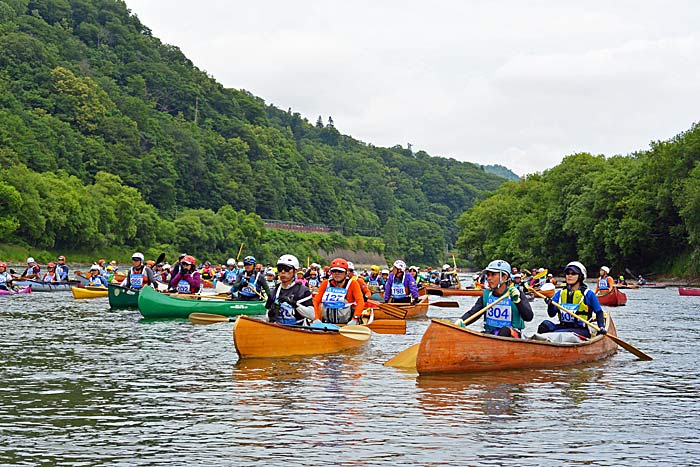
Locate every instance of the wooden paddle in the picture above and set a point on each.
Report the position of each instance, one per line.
(454, 261)
(406, 359)
(432, 291)
(446, 304)
(393, 311)
(625, 345)
(208, 318)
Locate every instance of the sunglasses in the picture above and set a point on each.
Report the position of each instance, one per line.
(284, 268)
(135, 259)
(337, 271)
(571, 273)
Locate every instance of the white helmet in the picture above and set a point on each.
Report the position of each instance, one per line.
(137, 255)
(445, 267)
(288, 260)
(414, 268)
(385, 271)
(167, 266)
(94, 267)
(400, 265)
(240, 264)
(30, 260)
(351, 266)
(576, 266)
(230, 262)
(606, 269)
(315, 265)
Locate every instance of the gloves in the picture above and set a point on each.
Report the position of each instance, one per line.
(547, 300)
(244, 281)
(288, 299)
(459, 323)
(514, 293)
(602, 331)
(414, 301)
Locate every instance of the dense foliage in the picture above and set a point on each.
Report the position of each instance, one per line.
(108, 136)
(639, 213)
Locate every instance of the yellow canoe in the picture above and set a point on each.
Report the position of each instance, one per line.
(88, 292)
(259, 339)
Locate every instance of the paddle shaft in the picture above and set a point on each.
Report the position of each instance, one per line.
(239, 252)
(446, 304)
(454, 261)
(625, 345)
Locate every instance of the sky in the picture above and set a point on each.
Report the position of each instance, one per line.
(521, 84)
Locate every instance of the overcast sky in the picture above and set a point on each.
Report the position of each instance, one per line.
(517, 83)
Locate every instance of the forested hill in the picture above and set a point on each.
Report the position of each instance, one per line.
(86, 89)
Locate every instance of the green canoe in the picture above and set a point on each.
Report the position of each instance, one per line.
(153, 304)
(122, 297)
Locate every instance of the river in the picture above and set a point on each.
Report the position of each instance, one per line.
(85, 385)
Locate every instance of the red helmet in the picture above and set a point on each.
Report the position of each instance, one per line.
(189, 259)
(51, 265)
(339, 263)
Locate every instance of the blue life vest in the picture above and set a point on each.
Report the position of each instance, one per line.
(398, 289)
(249, 289)
(603, 284)
(136, 279)
(230, 276)
(95, 281)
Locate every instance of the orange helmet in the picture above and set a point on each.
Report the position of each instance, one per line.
(189, 259)
(51, 265)
(339, 263)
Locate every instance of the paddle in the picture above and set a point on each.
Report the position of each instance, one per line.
(393, 311)
(625, 345)
(208, 318)
(407, 358)
(431, 291)
(446, 304)
(160, 258)
(454, 261)
(239, 252)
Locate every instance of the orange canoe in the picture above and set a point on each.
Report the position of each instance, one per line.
(259, 339)
(419, 310)
(448, 348)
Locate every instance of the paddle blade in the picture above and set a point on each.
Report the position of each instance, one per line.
(446, 304)
(208, 318)
(160, 258)
(630, 348)
(405, 359)
(431, 291)
(388, 326)
(359, 333)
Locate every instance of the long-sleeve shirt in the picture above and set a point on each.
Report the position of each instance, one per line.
(408, 281)
(193, 279)
(353, 297)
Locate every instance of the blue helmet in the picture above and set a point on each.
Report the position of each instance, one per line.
(501, 266)
(249, 260)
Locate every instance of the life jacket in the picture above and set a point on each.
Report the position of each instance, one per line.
(314, 282)
(249, 289)
(334, 304)
(206, 273)
(398, 289)
(603, 283)
(49, 277)
(95, 281)
(281, 311)
(230, 276)
(183, 286)
(4, 276)
(138, 280)
(574, 302)
(374, 282)
(504, 313)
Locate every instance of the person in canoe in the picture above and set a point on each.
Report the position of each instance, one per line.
(51, 275)
(5, 277)
(96, 279)
(62, 269)
(621, 280)
(339, 300)
(32, 270)
(507, 318)
(577, 298)
(207, 272)
(290, 302)
(250, 282)
(400, 286)
(187, 280)
(375, 282)
(270, 278)
(366, 293)
(230, 274)
(314, 281)
(415, 272)
(176, 269)
(139, 275)
(448, 277)
(605, 284)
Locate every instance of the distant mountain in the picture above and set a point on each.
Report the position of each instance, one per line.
(501, 171)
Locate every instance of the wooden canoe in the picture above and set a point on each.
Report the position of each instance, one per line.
(156, 305)
(419, 310)
(614, 298)
(89, 292)
(259, 339)
(688, 291)
(455, 292)
(122, 297)
(448, 348)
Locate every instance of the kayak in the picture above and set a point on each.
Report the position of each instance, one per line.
(259, 339)
(614, 298)
(689, 291)
(122, 297)
(419, 310)
(46, 286)
(89, 292)
(448, 348)
(22, 290)
(153, 304)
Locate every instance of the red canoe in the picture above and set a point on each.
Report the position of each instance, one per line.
(688, 291)
(615, 298)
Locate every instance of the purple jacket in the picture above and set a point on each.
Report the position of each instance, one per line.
(193, 279)
(408, 281)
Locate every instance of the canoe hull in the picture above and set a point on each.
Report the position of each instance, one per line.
(154, 305)
(80, 293)
(447, 348)
(22, 290)
(455, 292)
(417, 311)
(688, 291)
(259, 339)
(122, 297)
(615, 298)
(46, 286)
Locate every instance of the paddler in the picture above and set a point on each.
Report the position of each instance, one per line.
(507, 318)
(400, 287)
(96, 279)
(51, 275)
(62, 269)
(207, 272)
(5, 277)
(605, 284)
(339, 299)
(250, 282)
(366, 293)
(577, 298)
(290, 302)
(415, 272)
(139, 275)
(314, 281)
(376, 282)
(187, 280)
(32, 271)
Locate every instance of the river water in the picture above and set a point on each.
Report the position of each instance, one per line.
(83, 385)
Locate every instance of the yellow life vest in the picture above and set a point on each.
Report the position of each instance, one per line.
(577, 299)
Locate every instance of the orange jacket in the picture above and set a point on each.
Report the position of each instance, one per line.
(363, 286)
(611, 285)
(354, 295)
